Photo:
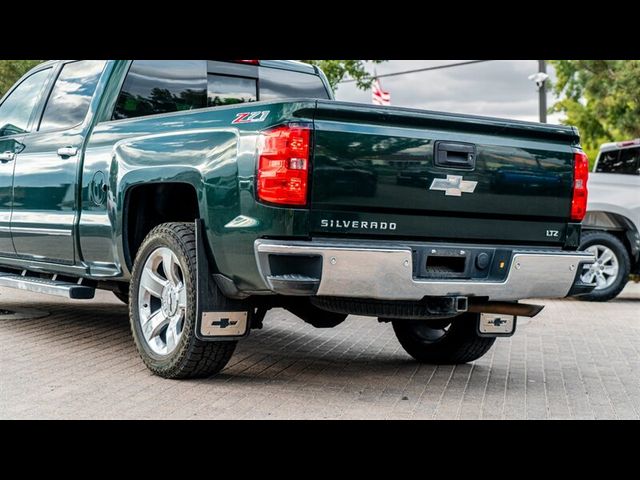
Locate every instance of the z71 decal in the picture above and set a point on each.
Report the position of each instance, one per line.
(251, 117)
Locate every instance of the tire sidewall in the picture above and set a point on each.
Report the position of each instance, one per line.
(624, 264)
(450, 348)
(157, 239)
(459, 328)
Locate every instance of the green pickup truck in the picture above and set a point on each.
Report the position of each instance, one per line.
(204, 193)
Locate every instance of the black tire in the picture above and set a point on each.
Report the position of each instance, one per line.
(430, 341)
(122, 296)
(192, 358)
(590, 238)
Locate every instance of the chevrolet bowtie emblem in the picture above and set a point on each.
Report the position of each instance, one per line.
(453, 185)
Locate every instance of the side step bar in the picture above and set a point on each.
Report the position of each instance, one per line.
(50, 287)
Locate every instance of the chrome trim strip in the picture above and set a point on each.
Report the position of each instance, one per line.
(32, 264)
(385, 272)
(42, 231)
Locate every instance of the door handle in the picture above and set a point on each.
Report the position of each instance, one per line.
(7, 157)
(67, 151)
(455, 155)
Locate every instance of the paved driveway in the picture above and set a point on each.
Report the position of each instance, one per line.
(575, 360)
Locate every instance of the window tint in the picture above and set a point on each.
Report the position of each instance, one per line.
(69, 101)
(162, 86)
(630, 160)
(17, 108)
(276, 83)
(607, 161)
(226, 90)
(619, 161)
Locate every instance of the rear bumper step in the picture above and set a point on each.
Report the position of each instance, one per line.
(50, 287)
(385, 271)
(293, 284)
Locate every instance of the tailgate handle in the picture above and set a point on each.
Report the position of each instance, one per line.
(455, 155)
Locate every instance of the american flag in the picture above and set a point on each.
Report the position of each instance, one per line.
(379, 96)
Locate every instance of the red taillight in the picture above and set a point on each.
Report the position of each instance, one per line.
(283, 165)
(580, 177)
(250, 62)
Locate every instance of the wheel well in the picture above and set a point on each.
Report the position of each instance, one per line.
(619, 234)
(147, 206)
(623, 236)
(617, 225)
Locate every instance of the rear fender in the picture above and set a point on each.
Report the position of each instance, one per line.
(611, 221)
(200, 158)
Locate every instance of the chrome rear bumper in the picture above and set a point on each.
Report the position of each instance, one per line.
(385, 271)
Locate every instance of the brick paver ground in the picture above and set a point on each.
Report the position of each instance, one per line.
(575, 360)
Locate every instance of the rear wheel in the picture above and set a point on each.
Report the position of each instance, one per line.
(610, 272)
(449, 341)
(162, 309)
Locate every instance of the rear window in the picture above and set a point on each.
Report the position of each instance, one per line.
(276, 84)
(162, 86)
(619, 161)
(227, 90)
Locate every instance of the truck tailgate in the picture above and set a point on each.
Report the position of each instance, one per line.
(412, 173)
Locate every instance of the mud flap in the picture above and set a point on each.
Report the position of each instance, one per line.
(212, 324)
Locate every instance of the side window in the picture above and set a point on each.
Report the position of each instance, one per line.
(162, 86)
(630, 160)
(17, 108)
(276, 83)
(619, 161)
(608, 162)
(227, 90)
(71, 96)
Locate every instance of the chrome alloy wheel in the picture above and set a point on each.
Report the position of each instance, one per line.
(162, 301)
(604, 270)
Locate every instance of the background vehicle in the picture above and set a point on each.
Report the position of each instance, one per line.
(611, 226)
(205, 193)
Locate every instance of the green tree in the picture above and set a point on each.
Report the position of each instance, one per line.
(12, 70)
(336, 70)
(601, 98)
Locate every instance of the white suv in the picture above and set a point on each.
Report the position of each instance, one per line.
(611, 226)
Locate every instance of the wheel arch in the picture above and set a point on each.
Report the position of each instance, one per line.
(617, 225)
(149, 204)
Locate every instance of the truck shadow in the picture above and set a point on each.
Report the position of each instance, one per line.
(625, 300)
(357, 353)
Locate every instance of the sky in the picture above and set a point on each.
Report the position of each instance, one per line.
(499, 88)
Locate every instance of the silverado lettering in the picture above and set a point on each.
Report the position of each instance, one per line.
(150, 179)
(364, 225)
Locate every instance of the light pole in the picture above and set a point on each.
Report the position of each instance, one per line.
(541, 82)
(542, 92)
